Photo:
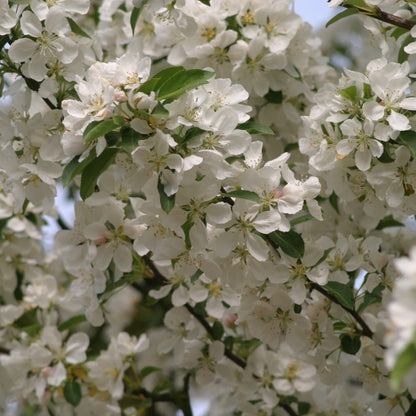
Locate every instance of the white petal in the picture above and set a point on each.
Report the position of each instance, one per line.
(58, 375)
(373, 110)
(219, 213)
(363, 159)
(346, 146)
(30, 24)
(257, 247)
(410, 102)
(22, 49)
(267, 221)
(398, 121)
(76, 347)
(123, 258)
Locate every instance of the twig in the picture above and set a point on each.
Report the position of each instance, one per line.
(227, 352)
(377, 13)
(366, 331)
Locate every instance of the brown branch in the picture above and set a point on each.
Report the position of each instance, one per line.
(366, 331)
(377, 13)
(227, 352)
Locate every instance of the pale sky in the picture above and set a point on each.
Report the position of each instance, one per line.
(316, 12)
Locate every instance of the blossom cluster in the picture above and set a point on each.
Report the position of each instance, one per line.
(241, 214)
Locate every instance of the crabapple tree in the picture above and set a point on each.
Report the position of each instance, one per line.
(243, 208)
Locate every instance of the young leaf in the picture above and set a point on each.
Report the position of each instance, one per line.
(136, 13)
(69, 323)
(73, 168)
(361, 5)
(256, 128)
(405, 361)
(403, 56)
(290, 242)
(76, 29)
(186, 227)
(97, 129)
(183, 81)
(94, 169)
(333, 200)
(350, 344)
(154, 83)
(166, 202)
(349, 93)
(387, 222)
(343, 293)
(129, 138)
(371, 297)
(217, 330)
(408, 138)
(145, 371)
(243, 194)
(339, 16)
(72, 392)
(275, 97)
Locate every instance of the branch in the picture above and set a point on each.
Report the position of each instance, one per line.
(34, 86)
(227, 352)
(366, 331)
(377, 13)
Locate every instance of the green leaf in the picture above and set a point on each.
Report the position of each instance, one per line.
(186, 227)
(135, 13)
(129, 138)
(303, 408)
(217, 330)
(350, 344)
(290, 242)
(371, 297)
(191, 133)
(154, 83)
(408, 138)
(339, 16)
(275, 97)
(196, 275)
(94, 169)
(386, 156)
(343, 293)
(301, 219)
(290, 147)
(403, 56)
(162, 385)
(349, 93)
(69, 323)
(183, 81)
(243, 194)
(387, 222)
(405, 361)
(73, 168)
(256, 128)
(398, 31)
(76, 29)
(333, 200)
(144, 372)
(166, 202)
(32, 330)
(361, 5)
(72, 392)
(324, 256)
(98, 129)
